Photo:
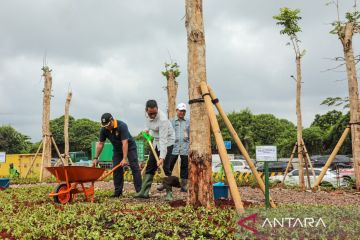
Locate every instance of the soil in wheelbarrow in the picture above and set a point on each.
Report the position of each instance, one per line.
(219, 203)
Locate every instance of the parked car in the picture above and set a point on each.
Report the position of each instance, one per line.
(292, 178)
(275, 167)
(239, 166)
(320, 160)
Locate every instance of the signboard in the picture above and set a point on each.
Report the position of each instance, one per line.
(140, 150)
(227, 144)
(2, 157)
(266, 153)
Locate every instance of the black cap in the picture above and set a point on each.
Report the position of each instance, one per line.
(106, 119)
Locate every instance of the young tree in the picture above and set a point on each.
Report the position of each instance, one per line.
(288, 19)
(171, 73)
(345, 31)
(66, 127)
(200, 182)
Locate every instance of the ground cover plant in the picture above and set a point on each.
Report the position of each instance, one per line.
(28, 213)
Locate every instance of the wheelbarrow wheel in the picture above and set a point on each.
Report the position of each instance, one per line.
(64, 197)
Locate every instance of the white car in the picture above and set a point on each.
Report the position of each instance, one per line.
(239, 166)
(292, 178)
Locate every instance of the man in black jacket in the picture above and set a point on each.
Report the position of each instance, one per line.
(124, 147)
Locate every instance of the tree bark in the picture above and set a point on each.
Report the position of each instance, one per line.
(66, 128)
(46, 153)
(345, 36)
(200, 190)
(171, 92)
(299, 123)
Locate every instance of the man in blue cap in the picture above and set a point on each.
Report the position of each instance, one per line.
(124, 147)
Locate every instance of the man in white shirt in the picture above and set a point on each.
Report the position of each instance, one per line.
(164, 138)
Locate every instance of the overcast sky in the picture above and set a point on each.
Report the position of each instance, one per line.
(111, 54)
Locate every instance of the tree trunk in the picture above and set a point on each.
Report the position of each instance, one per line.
(46, 153)
(345, 35)
(200, 190)
(299, 123)
(171, 92)
(66, 127)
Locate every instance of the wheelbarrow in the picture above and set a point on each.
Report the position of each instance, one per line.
(71, 181)
(4, 183)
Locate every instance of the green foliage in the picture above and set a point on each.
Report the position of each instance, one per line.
(81, 133)
(288, 19)
(326, 121)
(334, 134)
(313, 138)
(28, 213)
(336, 101)
(12, 141)
(171, 67)
(262, 129)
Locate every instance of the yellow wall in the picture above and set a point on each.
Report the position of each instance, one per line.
(22, 163)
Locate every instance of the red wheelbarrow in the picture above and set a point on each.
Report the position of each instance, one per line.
(71, 181)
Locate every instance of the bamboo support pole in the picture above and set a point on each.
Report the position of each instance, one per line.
(57, 151)
(309, 160)
(239, 143)
(331, 157)
(235, 194)
(289, 163)
(34, 159)
(307, 171)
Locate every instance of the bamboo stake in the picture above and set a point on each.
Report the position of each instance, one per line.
(307, 171)
(34, 159)
(331, 157)
(235, 194)
(309, 160)
(57, 151)
(289, 163)
(239, 143)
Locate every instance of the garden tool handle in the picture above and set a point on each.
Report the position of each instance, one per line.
(162, 173)
(110, 172)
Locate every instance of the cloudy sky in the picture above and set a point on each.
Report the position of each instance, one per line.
(111, 54)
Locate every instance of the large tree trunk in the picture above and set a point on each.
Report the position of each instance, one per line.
(299, 123)
(171, 92)
(46, 153)
(200, 192)
(66, 128)
(345, 35)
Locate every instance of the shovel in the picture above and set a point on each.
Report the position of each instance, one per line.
(167, 180)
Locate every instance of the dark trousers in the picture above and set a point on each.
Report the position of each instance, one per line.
(151, 166)
(184, 165)
(119, 173)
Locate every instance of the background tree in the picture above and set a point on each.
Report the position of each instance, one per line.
(325, 121)
(345, 31)
(289, 19)
(81, 133)
(200, 191)
(12, 141)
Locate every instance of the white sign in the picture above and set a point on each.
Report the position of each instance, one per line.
(266, 153)
(2, 157)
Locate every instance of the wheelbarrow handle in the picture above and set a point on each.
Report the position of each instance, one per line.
(110, 172)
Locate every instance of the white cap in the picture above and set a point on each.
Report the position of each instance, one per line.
(181, 106)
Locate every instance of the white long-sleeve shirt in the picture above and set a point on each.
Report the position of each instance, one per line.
(162, 131)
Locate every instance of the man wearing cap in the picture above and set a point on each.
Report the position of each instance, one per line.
(164, 137)
(181, 126)
(124, 147)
